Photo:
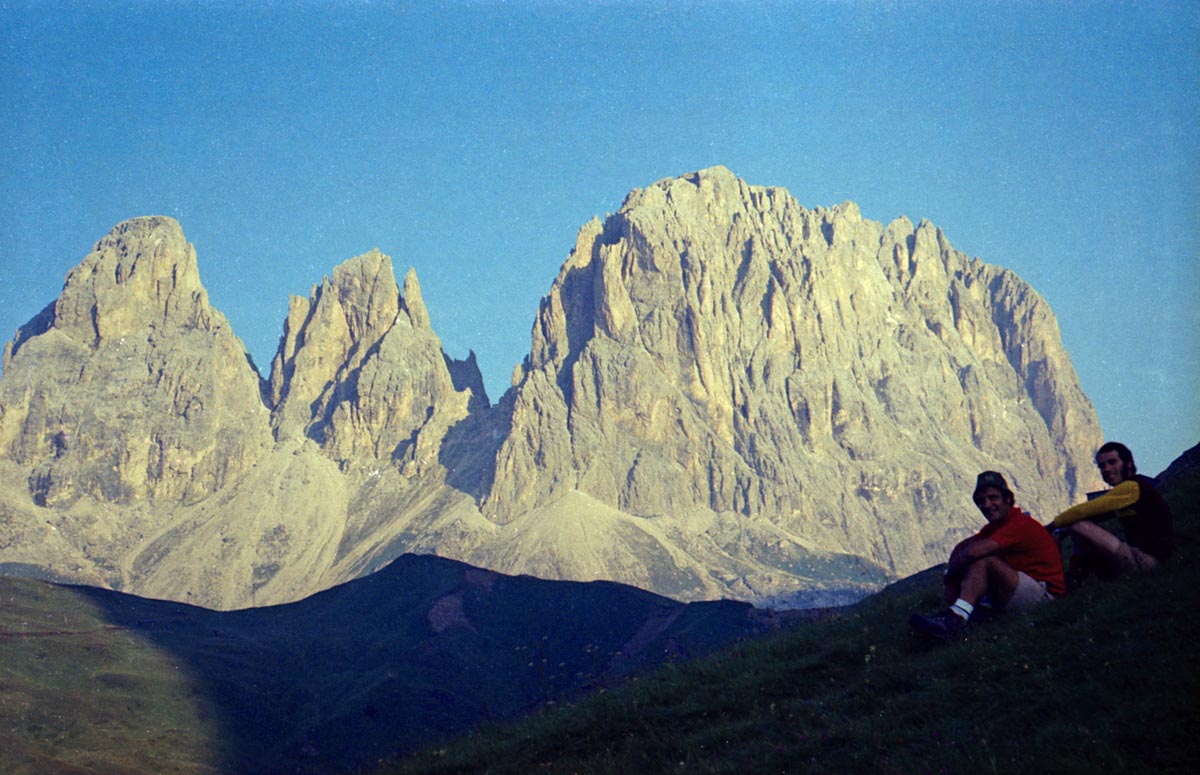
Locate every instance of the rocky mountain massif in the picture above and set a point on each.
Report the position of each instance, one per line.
(727, 394)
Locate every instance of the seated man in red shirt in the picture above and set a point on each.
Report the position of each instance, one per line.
(1013, 560)
(1142, 511)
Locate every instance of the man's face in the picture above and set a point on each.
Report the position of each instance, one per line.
(1113, 470)
(993, 503)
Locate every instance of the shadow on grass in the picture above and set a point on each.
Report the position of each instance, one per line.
(1103, 681)
(423, 650)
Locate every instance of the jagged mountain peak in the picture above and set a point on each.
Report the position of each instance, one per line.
(726, 394)
(141, 273)
(366, 295)
(330, 333)
(715, 346)
(132, 386)
(359, 369)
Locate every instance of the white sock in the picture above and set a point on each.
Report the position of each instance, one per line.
(962, 608)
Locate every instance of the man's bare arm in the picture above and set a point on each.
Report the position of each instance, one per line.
(968, 551)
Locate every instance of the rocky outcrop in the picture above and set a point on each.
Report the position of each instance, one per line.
(142, 451)
(715, 346)
(131, 386)
(726, 395)
(360, 371)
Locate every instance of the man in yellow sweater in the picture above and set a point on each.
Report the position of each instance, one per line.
(1133, 499)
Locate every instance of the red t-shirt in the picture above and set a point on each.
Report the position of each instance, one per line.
(1028, 547)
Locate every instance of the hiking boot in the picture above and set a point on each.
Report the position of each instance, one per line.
(944, 625)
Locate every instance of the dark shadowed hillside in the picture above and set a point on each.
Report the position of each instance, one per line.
(98, 681)
(1104, 681)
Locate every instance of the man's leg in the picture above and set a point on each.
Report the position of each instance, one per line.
(991, 576)
(951, 588)
(1101, 551)
(952, 595)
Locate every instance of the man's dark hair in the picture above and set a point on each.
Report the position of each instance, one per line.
(1122, 452)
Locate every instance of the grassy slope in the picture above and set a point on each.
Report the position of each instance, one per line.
(78, 695)
(1104, 681)
(98, 681)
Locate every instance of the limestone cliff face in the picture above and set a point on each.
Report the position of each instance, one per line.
(715, 346)
(139, 449)
(360, 371)
(131, 386)
(726, 395)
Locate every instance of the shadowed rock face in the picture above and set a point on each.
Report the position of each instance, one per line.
(727, 395)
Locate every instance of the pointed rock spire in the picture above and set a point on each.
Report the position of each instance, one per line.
(134, 388)
(412, 301)
(141, 273)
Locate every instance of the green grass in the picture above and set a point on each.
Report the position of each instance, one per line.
(1103, 681)
(98, 681)
(79, 696)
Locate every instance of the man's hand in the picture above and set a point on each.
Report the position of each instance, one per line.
(968, 551)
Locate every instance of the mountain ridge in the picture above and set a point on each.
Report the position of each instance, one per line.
(726, 395)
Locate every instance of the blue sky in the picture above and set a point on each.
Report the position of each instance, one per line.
(472, 140)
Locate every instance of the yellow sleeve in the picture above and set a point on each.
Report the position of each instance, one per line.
(1122, 496)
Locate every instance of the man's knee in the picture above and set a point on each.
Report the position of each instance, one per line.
(1001, 578)
(1129, 560)
(1090, 536)
(1029, 592)
(996, 566)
